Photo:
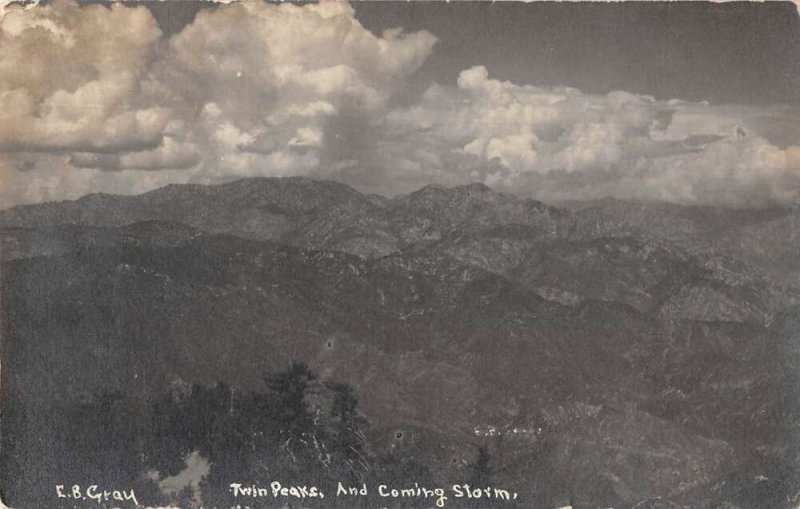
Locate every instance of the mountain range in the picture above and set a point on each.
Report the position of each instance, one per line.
(608, 353)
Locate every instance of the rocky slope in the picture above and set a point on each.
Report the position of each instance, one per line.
(601, 365)
(768, 238)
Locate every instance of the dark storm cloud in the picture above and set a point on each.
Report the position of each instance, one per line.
(168, 155)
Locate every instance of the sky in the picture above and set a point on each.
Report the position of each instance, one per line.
(693, 103)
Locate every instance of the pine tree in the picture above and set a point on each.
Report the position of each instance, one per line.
(291, 417)
(481, 475)
(347, 442)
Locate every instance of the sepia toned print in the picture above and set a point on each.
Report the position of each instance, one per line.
(399, 255)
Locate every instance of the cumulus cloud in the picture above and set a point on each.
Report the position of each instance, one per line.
(266, 80)
(69, 76)
(70, 84)
(96, 98)
(246, 89)
(562, 144)
(38, 177)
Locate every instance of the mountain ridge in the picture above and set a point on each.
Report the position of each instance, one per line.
(448, 311)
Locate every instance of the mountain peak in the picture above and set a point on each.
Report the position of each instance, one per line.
(435, 191)
(476, 187)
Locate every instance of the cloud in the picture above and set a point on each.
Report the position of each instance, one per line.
(96, 98)
(562, 144)
(38, 177)
(69, 77)
(170, 154)
(246, 89)
(527, 130)
(267, 79)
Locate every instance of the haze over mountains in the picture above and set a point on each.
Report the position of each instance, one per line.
(619, 352)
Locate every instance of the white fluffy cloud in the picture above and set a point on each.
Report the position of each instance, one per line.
(91, 97)
(96, 98)
(69, 82)
(561, 144)
(69, 76)
(267, 80)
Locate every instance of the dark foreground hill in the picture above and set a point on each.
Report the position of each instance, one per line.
(596, 365)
